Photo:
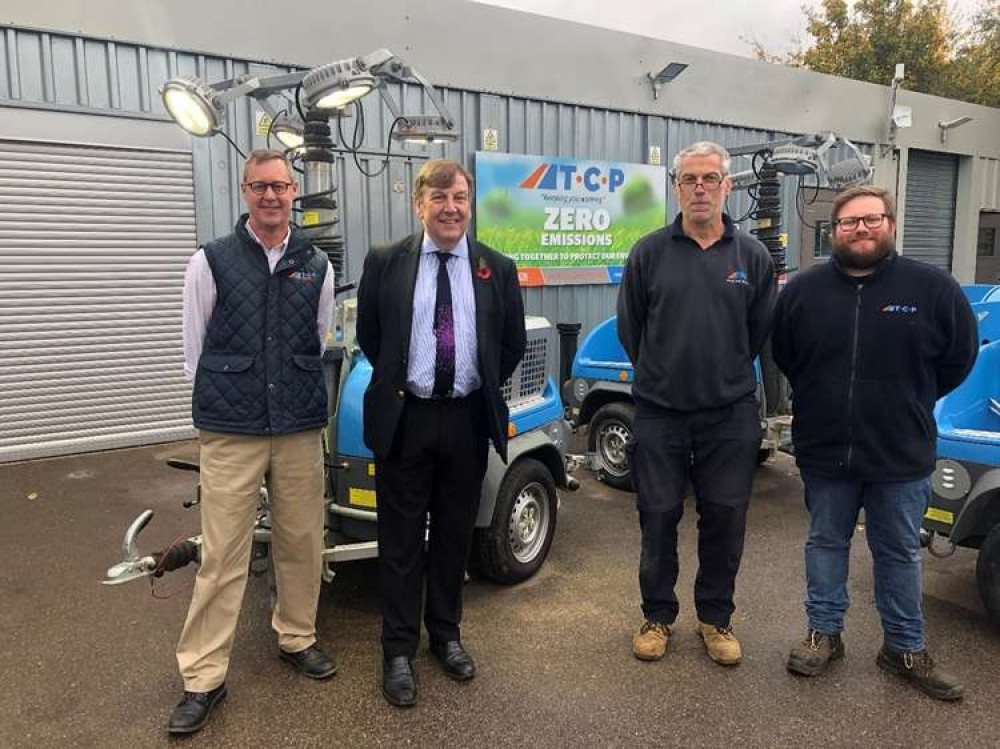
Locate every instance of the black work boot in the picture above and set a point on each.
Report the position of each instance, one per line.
(919, 669)
(813, 655)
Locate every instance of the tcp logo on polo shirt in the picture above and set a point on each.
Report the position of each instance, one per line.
(737, 276)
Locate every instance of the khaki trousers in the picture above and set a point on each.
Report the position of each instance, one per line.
(232, 468)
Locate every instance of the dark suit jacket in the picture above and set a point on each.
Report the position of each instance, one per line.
(385, 314)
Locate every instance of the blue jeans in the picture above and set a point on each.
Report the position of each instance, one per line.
(893, 514)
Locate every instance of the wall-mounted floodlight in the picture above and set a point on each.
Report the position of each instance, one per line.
(424, 129)
(671, 71)
(337, 84)
(193, 105)
(946, 125)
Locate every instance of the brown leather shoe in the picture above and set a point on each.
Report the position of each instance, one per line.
(650, 641)
(720, 643)
(813, 655)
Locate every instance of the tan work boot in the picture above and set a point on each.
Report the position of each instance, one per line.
(650, 642)
(721, 643)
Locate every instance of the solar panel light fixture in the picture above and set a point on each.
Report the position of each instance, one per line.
(946, 125)
(667, 74)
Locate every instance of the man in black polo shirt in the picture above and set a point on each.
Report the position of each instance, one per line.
(694, 309)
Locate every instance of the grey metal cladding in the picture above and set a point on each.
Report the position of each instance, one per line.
(60, 71)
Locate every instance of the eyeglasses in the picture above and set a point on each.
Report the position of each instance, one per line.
(850, 223)
(259, 188)
(709, 182)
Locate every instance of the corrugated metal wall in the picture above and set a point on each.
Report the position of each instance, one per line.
(68, 73)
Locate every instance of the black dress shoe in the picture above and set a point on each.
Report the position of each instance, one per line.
(398, 686)
(193, 710)
(312, 662)
(457, 663)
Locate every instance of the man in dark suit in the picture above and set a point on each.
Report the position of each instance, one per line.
(441, 320)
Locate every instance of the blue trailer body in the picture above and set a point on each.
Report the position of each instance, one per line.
(965, 505)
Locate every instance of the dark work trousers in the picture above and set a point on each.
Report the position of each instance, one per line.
(717, 451)
(436, 468)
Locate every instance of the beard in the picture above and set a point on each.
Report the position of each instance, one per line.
(851, 259)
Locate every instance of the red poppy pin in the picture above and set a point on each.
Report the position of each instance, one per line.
(483, 270)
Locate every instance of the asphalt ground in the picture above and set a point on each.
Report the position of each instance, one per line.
(86, 665)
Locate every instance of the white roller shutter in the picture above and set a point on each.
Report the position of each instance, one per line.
(93, 246)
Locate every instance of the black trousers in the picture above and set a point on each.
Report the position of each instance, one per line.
(435, 469)
(717, 451)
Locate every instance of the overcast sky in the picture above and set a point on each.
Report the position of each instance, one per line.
(721, 26)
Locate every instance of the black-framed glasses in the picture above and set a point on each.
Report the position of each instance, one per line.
(259, 188)
(710, 182)
(850, 223)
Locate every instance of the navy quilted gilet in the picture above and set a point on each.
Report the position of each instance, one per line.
(260, 370)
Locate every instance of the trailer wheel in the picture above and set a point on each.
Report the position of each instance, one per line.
(609, 434)
(524, 522)
(988, 573)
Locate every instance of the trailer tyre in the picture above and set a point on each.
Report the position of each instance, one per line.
(609, 434)
(524, 522)
(988, 573)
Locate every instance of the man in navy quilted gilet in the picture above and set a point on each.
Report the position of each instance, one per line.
(257, 307)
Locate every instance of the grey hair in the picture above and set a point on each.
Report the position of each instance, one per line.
(701, 148)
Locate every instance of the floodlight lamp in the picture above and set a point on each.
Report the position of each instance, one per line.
(743, 180)
(793, 159)
(425, 129)
(193, 105)
(856, 169)
(336, 84)
(289, 131)
(848, 173)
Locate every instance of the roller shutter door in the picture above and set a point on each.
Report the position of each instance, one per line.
(93, 246)
(931, 189)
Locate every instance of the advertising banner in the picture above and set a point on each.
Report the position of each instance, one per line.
(566, 221)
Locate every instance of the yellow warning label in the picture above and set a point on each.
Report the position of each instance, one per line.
(942, 516)
(310, 218)
(263, 123)
(362, 497)
(371, 469)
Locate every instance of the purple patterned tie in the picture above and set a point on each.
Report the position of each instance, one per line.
(444, 331)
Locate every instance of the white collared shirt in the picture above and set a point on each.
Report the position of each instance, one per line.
(423, 344)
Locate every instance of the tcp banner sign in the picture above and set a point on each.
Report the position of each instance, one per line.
(566, 220)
